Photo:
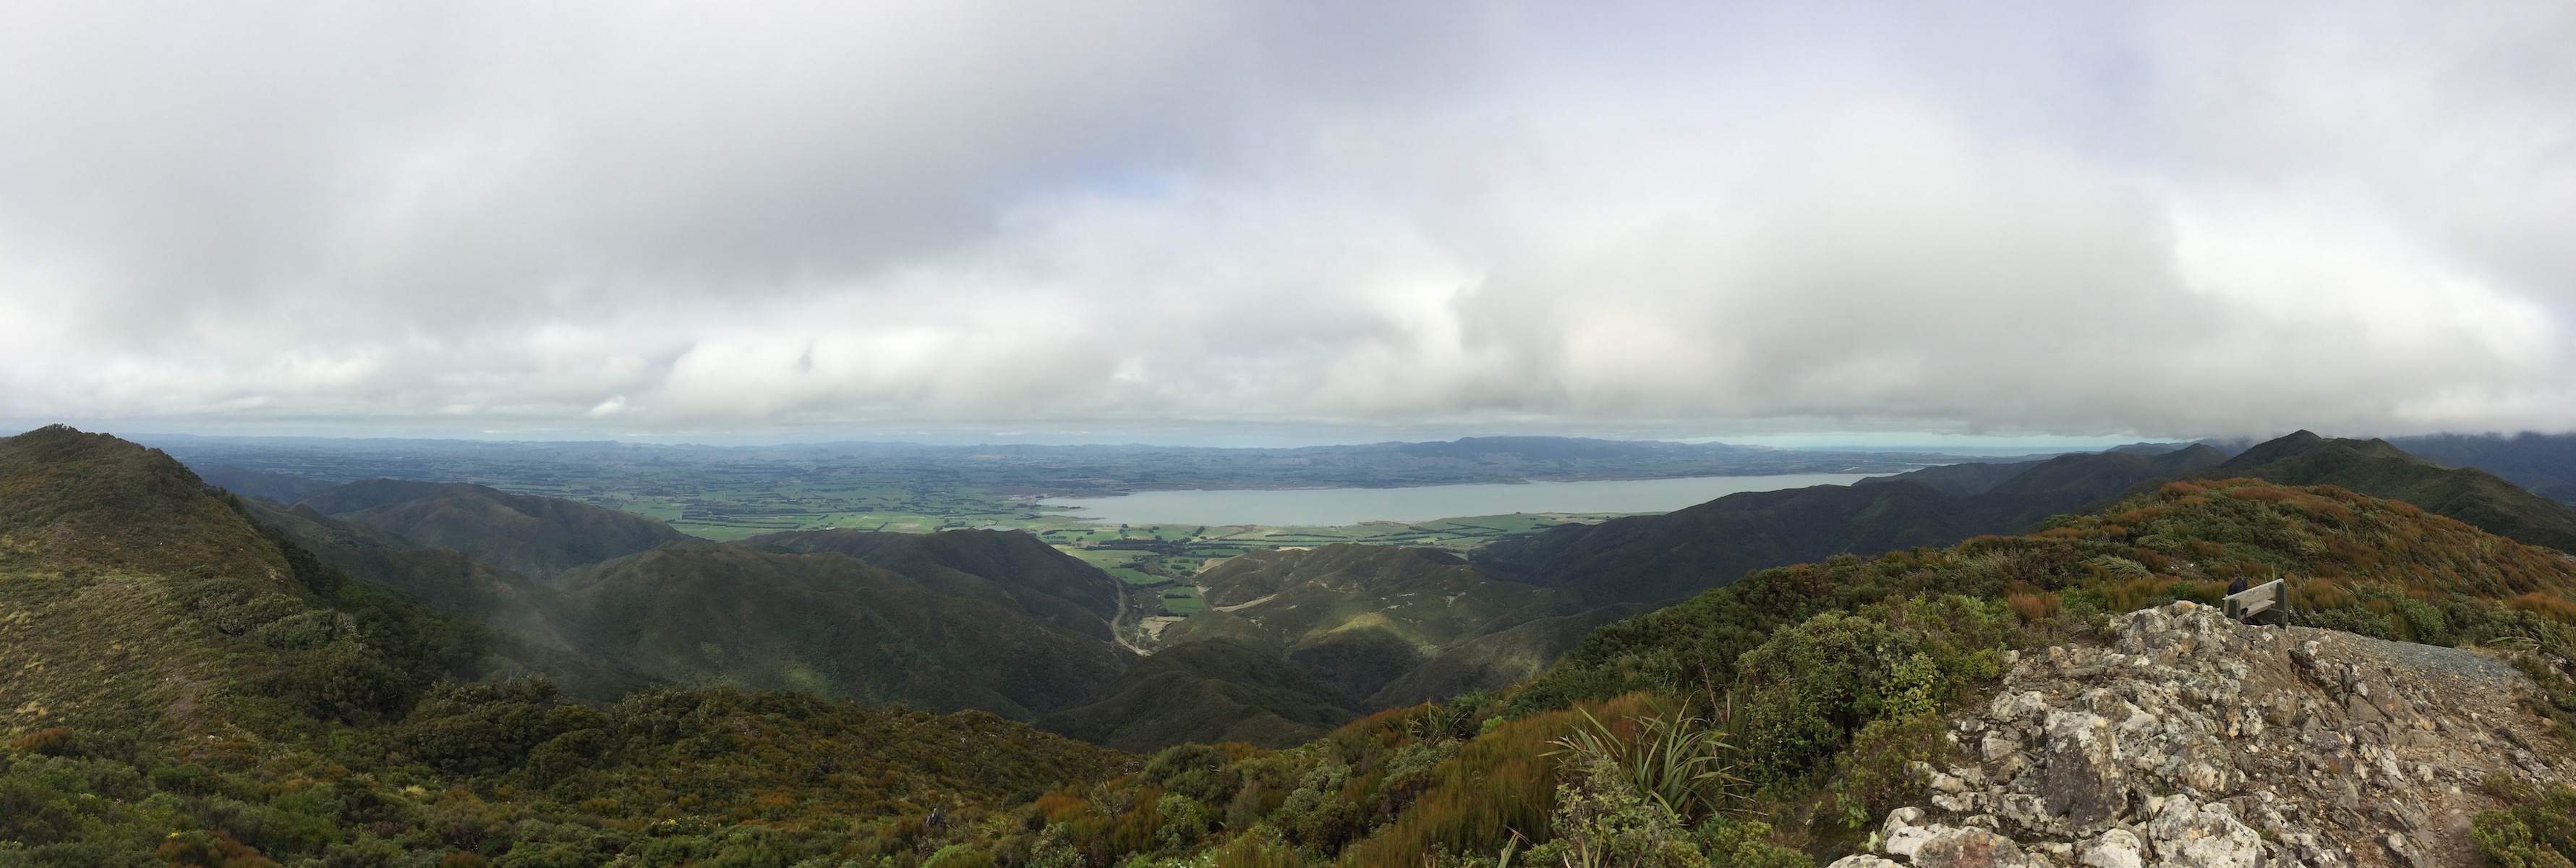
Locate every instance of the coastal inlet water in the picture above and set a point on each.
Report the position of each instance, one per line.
(1339, 506)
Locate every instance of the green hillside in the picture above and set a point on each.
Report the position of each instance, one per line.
(1825, 683)
(1393, 626)
(1497, 660)
(1357, 616)
(534, 536)
(183, 682)
(187, 686)
(705, 613)
(1206, 692)
(961, 620)
(2374, 467)
(1008, 568)
(2353, 562)
(446, 579)
(1647, 559)
(138, 599)
(2544, 463)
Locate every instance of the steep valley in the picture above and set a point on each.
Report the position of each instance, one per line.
(197, 678)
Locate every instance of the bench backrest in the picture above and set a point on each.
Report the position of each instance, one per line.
(2253, 601)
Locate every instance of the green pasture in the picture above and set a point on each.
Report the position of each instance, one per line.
(732, 507)
(1182, 600)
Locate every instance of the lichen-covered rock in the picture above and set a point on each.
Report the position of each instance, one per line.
(2115, 849)
(2186, 739)
(1971, 848)
(2080, 779)
(1863, 860)
(2203, 836)
(1901, 837)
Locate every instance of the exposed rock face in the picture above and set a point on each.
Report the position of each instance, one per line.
(2193, 741)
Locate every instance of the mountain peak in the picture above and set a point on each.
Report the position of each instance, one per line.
(2289, 445)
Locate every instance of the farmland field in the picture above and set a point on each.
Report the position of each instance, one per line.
(729, 493)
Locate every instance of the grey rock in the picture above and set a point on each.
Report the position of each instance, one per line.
(2081, 780)
(1972, 848)
(2203, 836)
(2170, 749)
(2115, 849)
(1863, 860)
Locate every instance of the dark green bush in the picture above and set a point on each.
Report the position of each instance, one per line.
(2536, 830)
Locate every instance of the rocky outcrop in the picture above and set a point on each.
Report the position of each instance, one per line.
(2193, 741)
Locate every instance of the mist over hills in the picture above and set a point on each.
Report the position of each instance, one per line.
(536, 536)
(1359, 626)
(1358, 617)
(229, 646)
(1208, 691)
(2379, 468)
(1074, 470)
(1013, 570)
(811, 612)
(1645, 559)
(2544, 463)
(110, 546)
(705, 613)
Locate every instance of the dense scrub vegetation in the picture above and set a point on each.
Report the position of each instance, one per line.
(505, 771)
(2377, 567)
(2471, 495)
(1209, 691)
(199, 690)
(1661, 558)
(2536, 830)
(187, 685)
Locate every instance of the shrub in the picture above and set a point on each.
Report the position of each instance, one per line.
(1500, 788)
(1879, 771)
(211, 850)
(1809, 687)
(1733, 843)
(957, 856)
(1603, 819)
(50, 741)
(2537, 829)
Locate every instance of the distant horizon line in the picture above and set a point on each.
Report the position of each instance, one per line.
(1916, 442)
(1926, 443)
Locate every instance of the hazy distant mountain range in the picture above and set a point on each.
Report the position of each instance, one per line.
(289, 467)
(234, 647)
(1293, 640)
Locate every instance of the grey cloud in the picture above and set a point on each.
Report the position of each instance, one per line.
(2167, 219)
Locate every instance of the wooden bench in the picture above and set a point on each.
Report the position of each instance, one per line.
(2252, 605)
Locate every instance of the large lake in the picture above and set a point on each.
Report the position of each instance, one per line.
(1337, 506)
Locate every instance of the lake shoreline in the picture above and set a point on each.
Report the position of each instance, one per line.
(1340, 506)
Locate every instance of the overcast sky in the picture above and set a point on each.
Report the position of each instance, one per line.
(1690, 219)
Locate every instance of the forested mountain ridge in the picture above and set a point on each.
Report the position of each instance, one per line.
(2379, 468)
(2543, 463)
(1779, 720)
(444, 578)
(538, 537)
(348, 730)
(1358, 616)
(1010, 568)
(138, 598)
(1670, 556)
(792, 611)
(186, 685)
(706, 613)
(1208, 691)
(990, 620)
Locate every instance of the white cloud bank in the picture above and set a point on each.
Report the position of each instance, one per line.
(2160, 218)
